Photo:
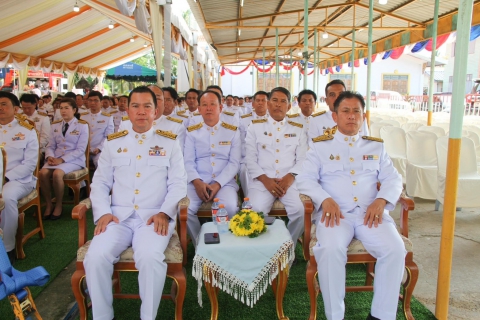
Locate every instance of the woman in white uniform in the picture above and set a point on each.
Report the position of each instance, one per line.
(65, 153)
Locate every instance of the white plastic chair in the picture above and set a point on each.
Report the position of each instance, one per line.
(411, 126)
(395, 145)
(468, 178)
(375, 128)
(434, 129)
(444, 125)
(375, 119)
(393, 123)
(421, 170)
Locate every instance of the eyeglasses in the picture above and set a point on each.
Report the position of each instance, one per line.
(94, 100)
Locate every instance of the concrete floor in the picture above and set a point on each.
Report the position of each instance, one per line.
(425, 230)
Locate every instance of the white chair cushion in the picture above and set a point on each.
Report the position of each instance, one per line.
(32, 195)
(74, 175)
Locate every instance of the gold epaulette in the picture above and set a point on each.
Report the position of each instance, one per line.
(182, 115)
(195, 127)
(181, 111)
(259, 121)
(196, 113)
(372, 139)
(229, 126)
(117, 135)
(85, 113)
(229, 113)
(246, 115)
(319, 113)
(58, 121)
(114, 111)
(106, 114)
(296, 124)
(293, 115)
(330, 131)
(166, 134)
(322, 138)
(42, 113)
(25, 124)
(82, 121)
(125, 118)
(20, 116)
(175, 120)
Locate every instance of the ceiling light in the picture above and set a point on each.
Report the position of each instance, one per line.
(76, 8)
(110, 25)
(325, 35)
(300, 53)
(145, 44)
(132, 39)
(238, 49)
(239, 32)
(382, 1)
(241, 3)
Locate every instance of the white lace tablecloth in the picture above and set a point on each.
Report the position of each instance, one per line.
(242, 266)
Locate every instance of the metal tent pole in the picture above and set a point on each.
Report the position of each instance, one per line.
(432, 62)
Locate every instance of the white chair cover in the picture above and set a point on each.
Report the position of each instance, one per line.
(395, 145)
(392, 122)
(375, 119)
(476, 141)
(411, 126)
(468, 178)
(401, 119)
(444, 125)
(375, 128)
(440, 132)
(421, 171)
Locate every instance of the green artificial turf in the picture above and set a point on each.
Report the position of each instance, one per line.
(59, 247)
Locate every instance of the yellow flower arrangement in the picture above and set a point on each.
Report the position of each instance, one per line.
(247, 223)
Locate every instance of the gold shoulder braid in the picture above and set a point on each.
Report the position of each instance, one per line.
(229, 126)
(166, 134)
(25, 124)
(318, 113)
(196, 113)
(195, 127)
(182, 115)
(117, 135)
(42, 113)
(372, 139)
(58, 121)
(293, 115)
(106, 114)
(20, 116)
(330, 131)
(81, 121)
(125, 118)
(114, 111)
(246, 115)
(181, 111)
(296, 124)
(322, 138)
(229, 113)
(175, 120)
(259, 121)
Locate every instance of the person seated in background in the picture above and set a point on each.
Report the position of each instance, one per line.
(106, 104)
(212, 159)
(56, 109)
(65, 153)
(19, 139)
(120, 113)
(100, 125)
(192, 108)
(260, 100)
(340, 174)
(80, 103)
(276, 149)
(232, 109)
(170, 97)
(41, 120)
(141, 211)
(307, 99)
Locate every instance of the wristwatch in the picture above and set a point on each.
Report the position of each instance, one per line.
(293, 174)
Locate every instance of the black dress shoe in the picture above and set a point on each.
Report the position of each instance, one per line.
(47, 217)
(370, 317)
(12, 256)
(54, 217)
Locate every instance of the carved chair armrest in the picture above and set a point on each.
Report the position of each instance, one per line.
(407, 204)
(182, 225)
(79, 212)
(308, 205)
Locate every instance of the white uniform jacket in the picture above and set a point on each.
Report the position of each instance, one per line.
(70, 148)
(101, 125)
(42, 125)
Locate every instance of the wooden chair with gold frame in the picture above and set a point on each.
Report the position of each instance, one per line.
(175, 256)
(357, 253)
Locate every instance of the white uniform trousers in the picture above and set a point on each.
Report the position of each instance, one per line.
(244, 178)
(12, 192)
(149, 255)
(227, 195)
(262, 201)
(384, 243)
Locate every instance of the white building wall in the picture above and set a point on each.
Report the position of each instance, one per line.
(473, 66)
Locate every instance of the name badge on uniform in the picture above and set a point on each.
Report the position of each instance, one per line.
(75, 132)
(157, 151)
(225, 143)
(370, 157)
(101, 121)
(18, 136)
(36, 119)
(290, 135)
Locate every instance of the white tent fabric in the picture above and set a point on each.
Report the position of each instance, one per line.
(157, 36)
(142, 18)
(375, 128)
(411, 126)
(167, 43)
(421, 170)
(468, 178)
(126, 7)
(395, 144)
(434, 129)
